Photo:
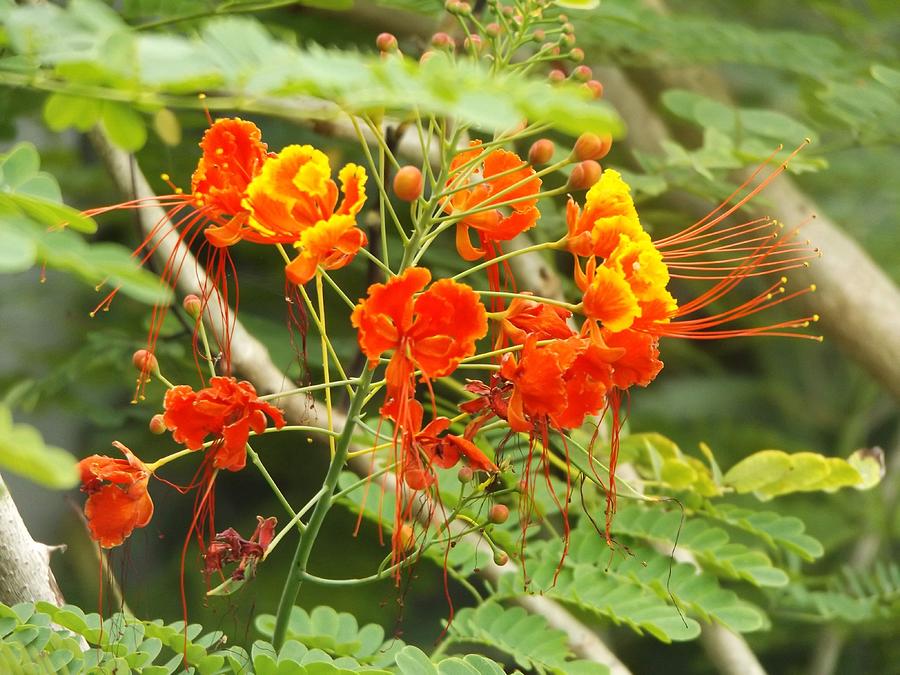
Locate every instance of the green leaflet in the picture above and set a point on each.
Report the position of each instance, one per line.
(712, 546)
(771, 473)
(336, 633)
(527, 638)
(88, 45)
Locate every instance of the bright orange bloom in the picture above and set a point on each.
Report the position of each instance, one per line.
(233, 154)
(526, 317)
(432, 446)
(557, 384)
(118, 501)
(226, 410)
(294, 201)
(432, 332)
(608, 213)
(639, 363)
(500, 177)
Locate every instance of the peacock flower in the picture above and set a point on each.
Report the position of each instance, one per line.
(118, 501)
(226, 410)
(232, 155)
(294, 201)
(483, 179)
(526, 317)
(431, 332)
(608, 213)
(557, 384)
(430, 446)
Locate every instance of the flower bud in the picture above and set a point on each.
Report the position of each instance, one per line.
(499, 513)
(193, 305)
(157, 425)
(538, 35)
(386, 42)
(442, 41)
(576, 55)
(591, 146)
(500, 558)
(465, 474)
(563, 19)
(551, 48)
(556, 75)
(145, 361)
(541, 151)
(584, 175)
(492, 29)
(426, 56)
(473, 43)
(408, 183)
(567, 27)
(508, 11)
(581, 73)
(567, 41)
(596, 88)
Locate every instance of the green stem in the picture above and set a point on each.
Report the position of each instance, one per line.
(308, 538)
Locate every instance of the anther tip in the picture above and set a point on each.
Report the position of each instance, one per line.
(164, 176)
(812, 287)
(784, 280)
(815, 317)
(820, 338)
(201, 96)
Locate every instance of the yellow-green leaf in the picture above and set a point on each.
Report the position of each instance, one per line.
(125, 127)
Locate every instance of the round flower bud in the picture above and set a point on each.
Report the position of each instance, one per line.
(591, 146)
(556, 75)
(567, 40)
(408, 183)
(581, 73)
(426, 55)
(500, 558)
(473, 43)
(193, 305)
(442, 41)
(465, 474)
(492, 29)
(584, 175)
(386, 42)
(538, 35)
(567, 27)
(563, 19)
(508, 11)
(596, 88)
(577, 55)
(541, 151)
(145, 361)
(499, 513)
(157, 425)
(464, 9)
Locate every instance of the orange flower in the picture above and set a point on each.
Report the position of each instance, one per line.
(118, 501)
(500, 177)
(432, 332)
(639, 363)
(608, 213)
(558, 383)
(233, 154)
(526, 317)
(440, 450)
(226, 410)
(295, 201)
